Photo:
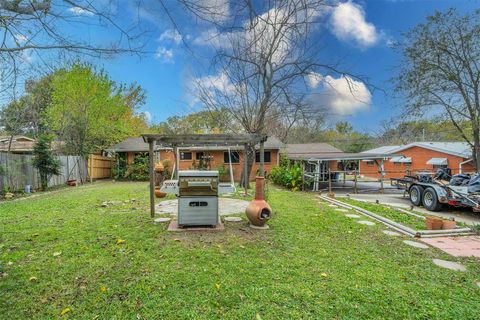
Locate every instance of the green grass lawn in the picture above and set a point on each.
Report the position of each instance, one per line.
(313, 263)
(390, 213)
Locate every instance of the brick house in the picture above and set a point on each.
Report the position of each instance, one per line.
(202, 157)
(421, 157)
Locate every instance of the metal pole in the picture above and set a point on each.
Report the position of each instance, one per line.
(329, 181)
(152, 178)
(355, 179)
(382, 173)
(262, 160)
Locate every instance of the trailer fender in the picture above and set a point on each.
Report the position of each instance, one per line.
(441, 193)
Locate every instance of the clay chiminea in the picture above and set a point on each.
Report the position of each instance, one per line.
(258, 211)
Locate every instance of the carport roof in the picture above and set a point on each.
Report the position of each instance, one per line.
(339, 156)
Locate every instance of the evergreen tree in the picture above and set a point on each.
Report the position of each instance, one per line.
(44, 159)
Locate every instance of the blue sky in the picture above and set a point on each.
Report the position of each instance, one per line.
(168, 68)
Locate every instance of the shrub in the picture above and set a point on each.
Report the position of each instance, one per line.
(288, 175)
(137, 171)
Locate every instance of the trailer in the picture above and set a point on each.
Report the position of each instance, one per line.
(432, 193)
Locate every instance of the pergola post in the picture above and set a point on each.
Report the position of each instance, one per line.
(177, 161)
(151, 143)
(245, 168)
(262, 160)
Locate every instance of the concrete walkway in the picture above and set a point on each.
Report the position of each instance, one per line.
(456, 246)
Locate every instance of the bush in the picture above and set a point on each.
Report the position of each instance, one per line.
(137, 171)
(288, 175)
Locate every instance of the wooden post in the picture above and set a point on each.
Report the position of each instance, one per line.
(303, 175)
(245, 168)
(177, 161)
(152, 178)
(262, 160)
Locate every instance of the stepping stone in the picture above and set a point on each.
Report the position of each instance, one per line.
(233, 219)
(449, 265)
(341, 210)
(351, 215)
(415, 244)
(367, 223)
(161, 220)
(391, 233)
(265, 227)
(332, 205)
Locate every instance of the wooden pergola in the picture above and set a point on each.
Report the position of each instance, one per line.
(200, 140)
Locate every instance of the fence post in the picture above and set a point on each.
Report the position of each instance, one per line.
(90, 165)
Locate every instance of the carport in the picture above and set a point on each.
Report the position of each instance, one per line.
(318, 168)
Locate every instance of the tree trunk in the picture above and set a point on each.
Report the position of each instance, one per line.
(250, 159)
(43, 181)
(476, 148)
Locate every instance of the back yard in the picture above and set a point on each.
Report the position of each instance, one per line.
(63, 255)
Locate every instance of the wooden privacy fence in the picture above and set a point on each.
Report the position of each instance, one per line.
(17, 171)
(99, 167)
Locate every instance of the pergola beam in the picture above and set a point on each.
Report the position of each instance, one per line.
(182, 140)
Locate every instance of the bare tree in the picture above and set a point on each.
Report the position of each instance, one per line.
(441, 72)
(35, 28)
(262, 64)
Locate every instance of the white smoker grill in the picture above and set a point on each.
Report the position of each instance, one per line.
(198, 198)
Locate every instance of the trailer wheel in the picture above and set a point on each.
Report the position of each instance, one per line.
(416, 193)
(430, 200)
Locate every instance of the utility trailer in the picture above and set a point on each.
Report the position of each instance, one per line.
(432, 193)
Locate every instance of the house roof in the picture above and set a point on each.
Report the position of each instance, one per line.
(384, 149)
(460, 149)
(19, 143)
(309, 150)
(130, 145)
(339, 156)
(139, 145)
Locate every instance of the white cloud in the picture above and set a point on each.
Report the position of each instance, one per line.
(218, 82)
(147, 115)
(20, 38)
(346, 96)
(343, 96)
(213, 38)
(171, 34)
(27, 56)
(164, 55)
(80, 11)
(348, 24)
(313, 79)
